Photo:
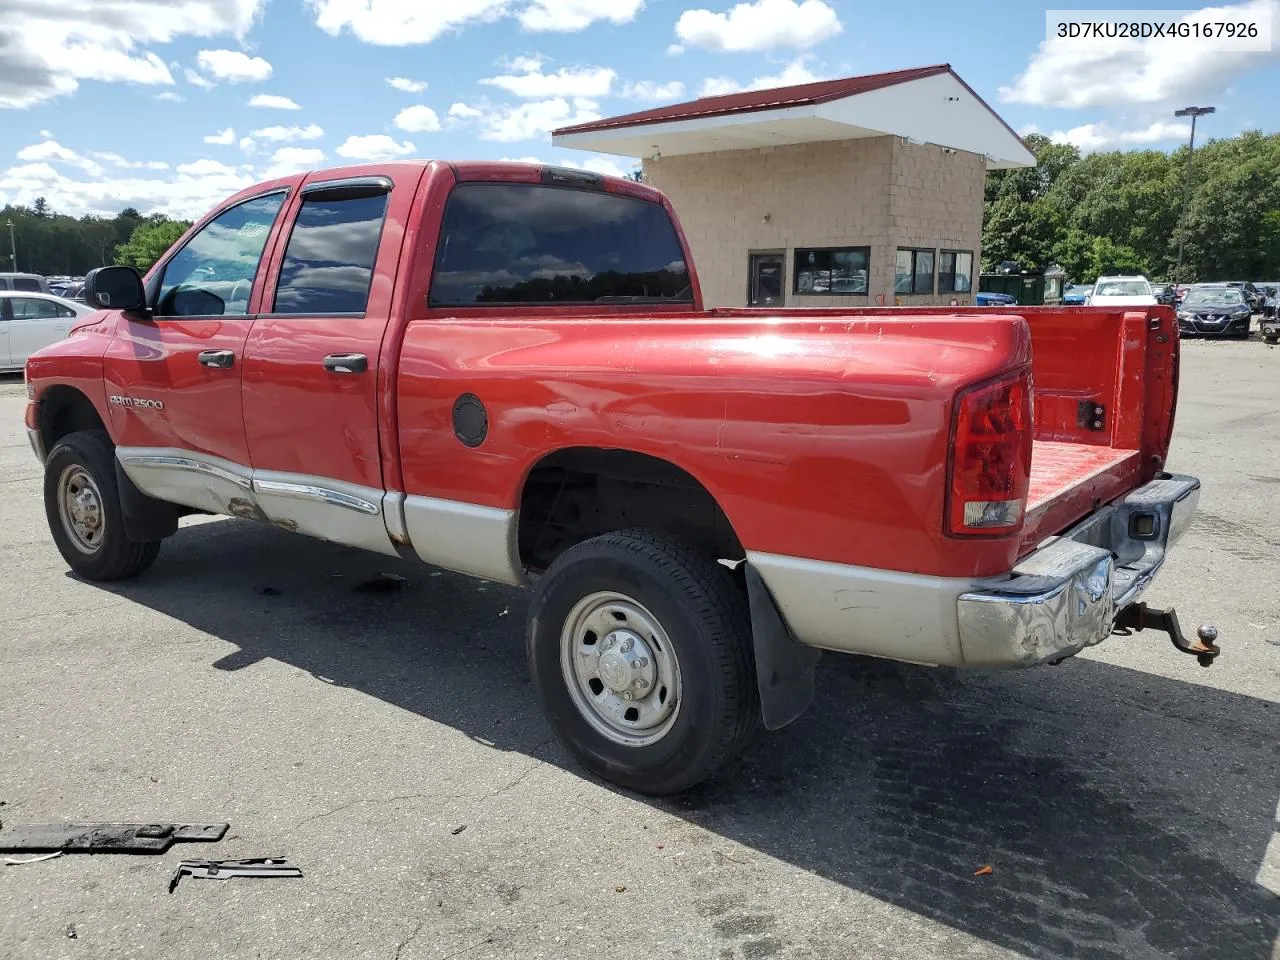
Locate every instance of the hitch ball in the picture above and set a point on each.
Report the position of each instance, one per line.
(1207, 633)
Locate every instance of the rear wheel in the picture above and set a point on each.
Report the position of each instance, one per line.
(82, 505)
(641, 654)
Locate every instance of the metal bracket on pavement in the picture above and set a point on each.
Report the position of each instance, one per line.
(106, 837)
(224, 869)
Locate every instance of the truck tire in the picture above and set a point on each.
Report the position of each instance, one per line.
(640, 652)
(82, 504)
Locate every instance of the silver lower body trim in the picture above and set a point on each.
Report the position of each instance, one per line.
(465, 537)
(37, 445)
(1054, 603)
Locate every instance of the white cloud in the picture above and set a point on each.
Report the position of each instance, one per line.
(716, 86)
(1091, 137)
(565, 82)
(223, 138)
(46, 134)
(407, 85)
(52, 151)
(186, 193)
(1100, 72)
(248, 145)
(793, 73)
(273, 102)
(524, 64)
(596, 163)
(289, 160)
(675, 49)
(196, 80)
(535, 119)
(118, 161)
(51, 46)
(572, 15)
(204, 167)
(398, 23)
(233, 66)
(169, 97)
(286, 134)
(375, 147)
(418, 119)
(460, 111)
(649, 90)
(762, 25)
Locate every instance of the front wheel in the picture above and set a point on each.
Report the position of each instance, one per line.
(82, 505)
(640, 652)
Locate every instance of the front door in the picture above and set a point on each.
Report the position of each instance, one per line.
(173, 380)
(35, 322)
(765, 271)
(312, 363)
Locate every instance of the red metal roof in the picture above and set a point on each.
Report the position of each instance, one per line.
(774, 98)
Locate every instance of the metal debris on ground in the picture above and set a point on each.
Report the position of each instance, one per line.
(984, 871)
(457, 830)
(385, 583)
(225, 869)
(11, 862)
(106, 837)
(71, 931)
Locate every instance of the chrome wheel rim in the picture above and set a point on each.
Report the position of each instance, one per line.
(80, 509)
(621, 669)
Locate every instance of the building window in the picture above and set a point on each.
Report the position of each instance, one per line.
(914, 273)
(955, 271)
(832, 271)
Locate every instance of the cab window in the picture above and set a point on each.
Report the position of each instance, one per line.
(212, 275)
(36, 308)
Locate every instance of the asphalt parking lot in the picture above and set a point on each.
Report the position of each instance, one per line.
(387, 741)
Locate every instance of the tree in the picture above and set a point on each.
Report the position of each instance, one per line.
(41, 207)
(149, 242)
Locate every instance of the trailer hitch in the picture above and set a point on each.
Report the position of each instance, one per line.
(1138, 616)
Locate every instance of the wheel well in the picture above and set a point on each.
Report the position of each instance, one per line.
(65, 410)
(582, 492)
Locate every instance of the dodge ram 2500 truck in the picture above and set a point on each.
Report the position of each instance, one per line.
(506, 370)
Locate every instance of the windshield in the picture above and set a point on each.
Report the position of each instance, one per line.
(1213, 296)
(1122, 288)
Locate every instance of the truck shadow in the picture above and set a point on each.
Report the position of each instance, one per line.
(1122, 814)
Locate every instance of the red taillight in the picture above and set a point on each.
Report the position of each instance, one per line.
(991, 457)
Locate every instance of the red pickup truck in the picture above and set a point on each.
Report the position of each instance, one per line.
(505, 370)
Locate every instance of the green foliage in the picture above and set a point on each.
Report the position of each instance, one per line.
(1119, 211)
(148, 243)
(52, 244)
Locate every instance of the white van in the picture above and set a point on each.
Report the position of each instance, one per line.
(27, 282)
(1122, 292)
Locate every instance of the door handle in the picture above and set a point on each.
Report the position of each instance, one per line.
(346, 362)
(221, 359)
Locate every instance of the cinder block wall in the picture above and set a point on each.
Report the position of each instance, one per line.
(873, 192)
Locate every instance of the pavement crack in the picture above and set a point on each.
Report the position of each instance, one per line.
(458, 953)
(409, 939)
(353, 803)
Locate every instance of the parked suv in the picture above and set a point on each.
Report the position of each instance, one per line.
(1122, 292)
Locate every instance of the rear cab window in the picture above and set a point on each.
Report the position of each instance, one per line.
(28, 284)
(528, 243)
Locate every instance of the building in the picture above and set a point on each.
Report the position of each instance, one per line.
(865, 190)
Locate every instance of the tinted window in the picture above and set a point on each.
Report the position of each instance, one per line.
(955, 270)
(914, 271)
(328, 263)
(34, 308)
(1122, 288)
(213, 274)
(832, 271)
(527, 243)
(27, 283)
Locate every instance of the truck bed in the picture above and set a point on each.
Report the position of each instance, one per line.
(1059, 468)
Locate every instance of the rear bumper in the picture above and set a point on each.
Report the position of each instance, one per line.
(1057, 601)
(1065, 596)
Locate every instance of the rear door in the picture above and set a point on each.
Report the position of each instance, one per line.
(36, 322)
(5, 363)
(312, 363)
(173, 380)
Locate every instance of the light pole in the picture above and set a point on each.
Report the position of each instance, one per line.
(13, 249)
(1191, 112)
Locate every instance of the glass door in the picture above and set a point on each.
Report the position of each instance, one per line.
(765, 273)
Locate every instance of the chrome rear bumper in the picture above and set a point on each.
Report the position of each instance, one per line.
(1065, 596)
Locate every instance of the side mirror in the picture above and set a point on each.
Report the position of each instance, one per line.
(115, 288)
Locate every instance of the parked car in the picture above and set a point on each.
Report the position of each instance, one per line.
(29, 321)
(1211, 310)
(994, 300)
(1076, 294)
(506, 369)
(1165, 293)
(1122, 292)
(29, 282)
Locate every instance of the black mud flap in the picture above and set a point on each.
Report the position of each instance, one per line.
(784, 667)
(146, 519)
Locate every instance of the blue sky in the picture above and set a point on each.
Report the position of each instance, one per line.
(169, 105)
